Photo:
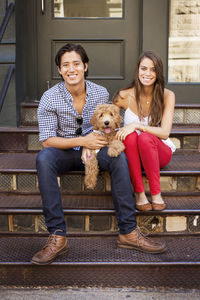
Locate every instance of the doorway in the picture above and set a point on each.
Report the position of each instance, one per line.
(107, 29)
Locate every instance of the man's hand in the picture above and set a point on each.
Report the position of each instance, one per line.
(94, 141)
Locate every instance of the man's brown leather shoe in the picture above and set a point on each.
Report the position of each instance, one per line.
(55, 246)
(136, 240)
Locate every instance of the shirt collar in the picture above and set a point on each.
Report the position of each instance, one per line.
(88, 88)
(68, 94)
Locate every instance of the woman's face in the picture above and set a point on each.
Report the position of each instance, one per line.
(147, 72)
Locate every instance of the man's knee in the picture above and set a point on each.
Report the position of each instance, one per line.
(44, 157)
(108, 163)
(120, 161)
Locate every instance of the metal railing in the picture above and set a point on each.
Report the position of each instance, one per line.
(6, 19)
(11, 67)
(6, 85)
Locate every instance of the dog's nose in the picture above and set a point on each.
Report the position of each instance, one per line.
(106, 123)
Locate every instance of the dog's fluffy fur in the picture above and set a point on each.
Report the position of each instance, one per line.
(105, 120)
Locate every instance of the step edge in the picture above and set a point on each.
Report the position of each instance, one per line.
(91, 264)
(105, 211)
(34, 103)
(162, 172)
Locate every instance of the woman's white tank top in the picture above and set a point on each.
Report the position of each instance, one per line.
(130, 117)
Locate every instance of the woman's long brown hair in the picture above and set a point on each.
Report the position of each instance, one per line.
(157, 104)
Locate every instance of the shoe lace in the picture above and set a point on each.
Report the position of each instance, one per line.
(51, 242)
(142, 235)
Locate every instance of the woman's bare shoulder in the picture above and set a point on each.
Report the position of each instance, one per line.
(168, 93)
(169, 98)
(126, 93)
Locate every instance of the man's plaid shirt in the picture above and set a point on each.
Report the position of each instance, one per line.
(57, 115)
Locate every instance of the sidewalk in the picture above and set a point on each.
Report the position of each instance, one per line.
(97, 294)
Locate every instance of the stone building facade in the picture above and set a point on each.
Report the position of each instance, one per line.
(184, 41)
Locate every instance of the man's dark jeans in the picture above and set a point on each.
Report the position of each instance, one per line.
(51, 162)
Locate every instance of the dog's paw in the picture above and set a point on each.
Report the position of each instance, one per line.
(90, 185)
(113, 152)
(116, 148)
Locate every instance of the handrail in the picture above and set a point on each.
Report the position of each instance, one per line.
(5, 85)
(6, 19)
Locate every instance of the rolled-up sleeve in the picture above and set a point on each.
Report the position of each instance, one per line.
(47, 118)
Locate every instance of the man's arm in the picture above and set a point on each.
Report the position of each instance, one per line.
(90, 141)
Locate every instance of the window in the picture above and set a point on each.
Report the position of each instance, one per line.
(88, 8)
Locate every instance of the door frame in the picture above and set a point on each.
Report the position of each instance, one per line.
(149, 31)
(26, 49)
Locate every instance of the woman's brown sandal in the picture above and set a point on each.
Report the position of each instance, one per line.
(144, 207)
(158, 206)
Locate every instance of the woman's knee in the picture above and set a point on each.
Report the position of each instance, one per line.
(145, 139)
(131, 139)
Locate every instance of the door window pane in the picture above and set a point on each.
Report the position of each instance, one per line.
(88, 8)
(184, 41)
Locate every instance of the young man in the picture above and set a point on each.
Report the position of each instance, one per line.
(66, 134)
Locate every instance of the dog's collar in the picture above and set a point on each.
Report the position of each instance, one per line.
(102, 133)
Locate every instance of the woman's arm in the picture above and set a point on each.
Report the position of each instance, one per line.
(164, 130)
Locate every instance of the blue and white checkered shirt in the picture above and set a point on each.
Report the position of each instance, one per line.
(57, 115)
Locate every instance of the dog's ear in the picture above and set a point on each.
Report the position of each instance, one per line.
(116, 111)
(92, 120)
(94, 117)
(95, 114)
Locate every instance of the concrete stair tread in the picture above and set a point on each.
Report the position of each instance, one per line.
(86, 203)
(101, 250)
(187, 162)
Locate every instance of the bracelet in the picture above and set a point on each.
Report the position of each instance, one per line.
(144, 128)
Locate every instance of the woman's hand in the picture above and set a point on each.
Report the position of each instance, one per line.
(126, 130)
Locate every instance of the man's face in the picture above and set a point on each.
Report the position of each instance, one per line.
(72, 68)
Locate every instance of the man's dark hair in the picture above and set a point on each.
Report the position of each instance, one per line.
(69, 48)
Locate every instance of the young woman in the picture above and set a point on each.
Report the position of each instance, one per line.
(148, 117)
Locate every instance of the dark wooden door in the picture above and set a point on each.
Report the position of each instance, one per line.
(108, 30)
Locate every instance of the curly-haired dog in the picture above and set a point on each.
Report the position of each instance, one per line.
(105, 120)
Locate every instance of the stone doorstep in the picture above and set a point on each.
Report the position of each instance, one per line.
(99, 224)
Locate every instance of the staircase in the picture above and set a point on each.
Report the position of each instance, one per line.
(93, 258)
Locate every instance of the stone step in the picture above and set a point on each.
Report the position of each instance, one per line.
(184, 113)
(18, 173)
(90, 213)
(25, 139)
(97, 261)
